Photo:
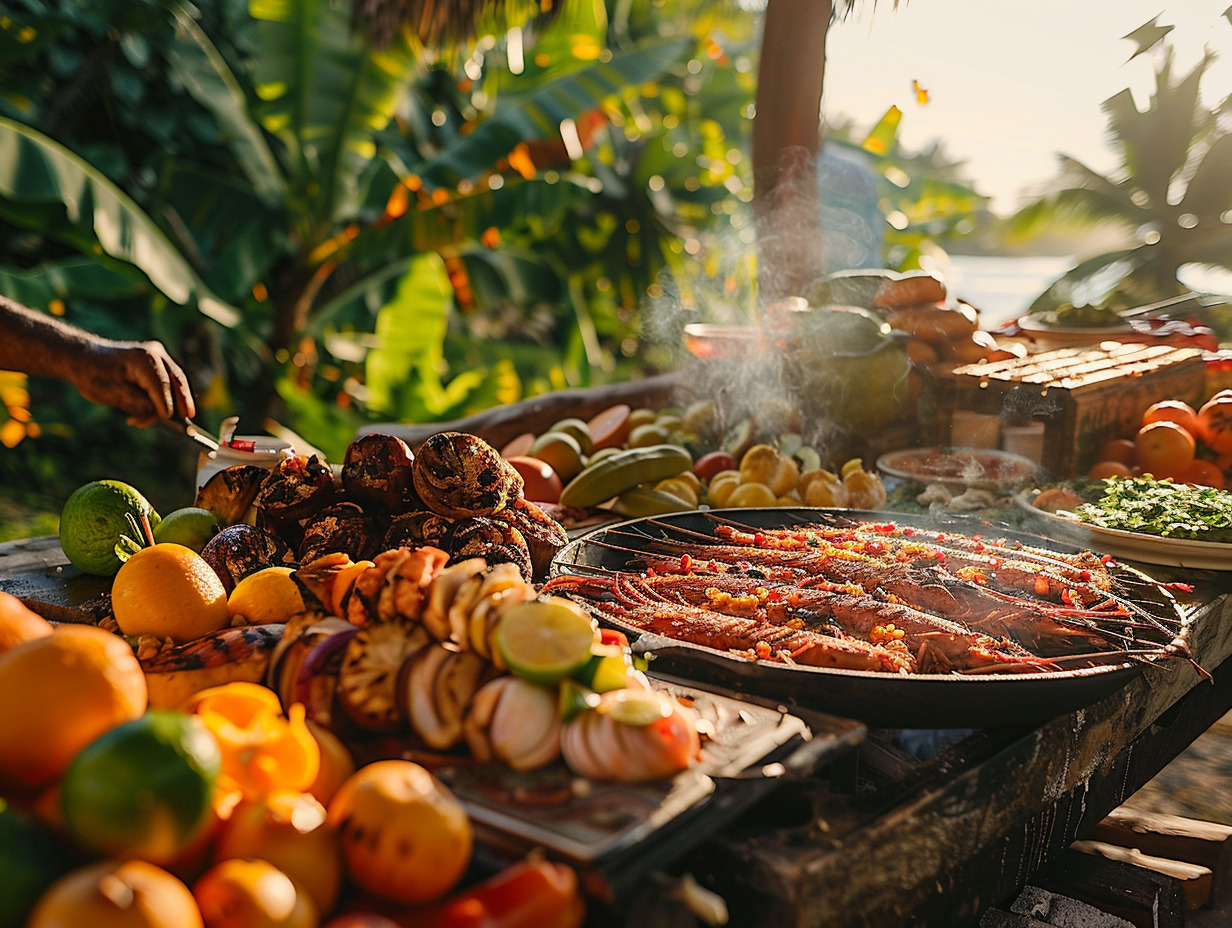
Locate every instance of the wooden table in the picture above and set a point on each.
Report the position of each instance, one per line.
(883, 837)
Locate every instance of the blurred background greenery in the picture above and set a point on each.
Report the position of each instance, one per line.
(332, 226)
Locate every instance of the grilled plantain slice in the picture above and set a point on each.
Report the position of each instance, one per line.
(371, 670)
(229, 494)
(174, 672)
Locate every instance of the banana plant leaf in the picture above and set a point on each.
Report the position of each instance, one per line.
(37, 170)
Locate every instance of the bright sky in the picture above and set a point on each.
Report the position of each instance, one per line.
(1012, 83)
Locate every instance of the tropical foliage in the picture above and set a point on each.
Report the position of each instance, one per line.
(334, 233)
(1171, 195)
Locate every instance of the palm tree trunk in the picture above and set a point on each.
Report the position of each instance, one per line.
(786, 142)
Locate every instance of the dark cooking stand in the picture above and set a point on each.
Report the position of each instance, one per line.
(887, 837)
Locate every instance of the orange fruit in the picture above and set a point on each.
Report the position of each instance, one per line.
(18, 623)
(1118, 449)
(1164, 449)
(252, 893)
(266, 597)
(1176, 411)
(1205, 472)
(1101, 469)
(115, 894)
(287, 829)
(169, 591)
(71, 686)
(405, 836)
(336, 762)
(1215, 422)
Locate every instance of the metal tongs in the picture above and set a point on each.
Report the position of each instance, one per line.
(200, 435)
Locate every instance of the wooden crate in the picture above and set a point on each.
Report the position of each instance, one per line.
(1085, 396)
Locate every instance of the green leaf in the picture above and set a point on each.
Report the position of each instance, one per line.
(326, 93)
(38, 170)
(207, 77)
(410, 330)
(539, 114)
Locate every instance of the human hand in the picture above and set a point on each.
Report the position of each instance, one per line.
(138, 378)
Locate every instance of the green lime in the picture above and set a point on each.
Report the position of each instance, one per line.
(31, 859)
(635, 707)
(144, 788)
(575, 699)
(93, 519)
(545, 640)
(191, 527)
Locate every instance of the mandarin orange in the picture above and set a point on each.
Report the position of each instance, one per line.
(115, 894)
(19, 623)
(1164, 448)
(71, 686)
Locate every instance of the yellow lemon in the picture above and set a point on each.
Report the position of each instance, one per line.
(266, 596)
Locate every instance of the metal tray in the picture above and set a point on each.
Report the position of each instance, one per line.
(616, 833)
(878, 699)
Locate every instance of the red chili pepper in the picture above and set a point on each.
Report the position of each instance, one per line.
(686, 562)
(886, 528)
(612, 636)
(529, 894)
(1084, 575)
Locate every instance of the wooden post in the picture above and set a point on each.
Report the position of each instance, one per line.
(786, 142)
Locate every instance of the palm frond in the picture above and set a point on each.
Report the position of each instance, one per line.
(438, 24)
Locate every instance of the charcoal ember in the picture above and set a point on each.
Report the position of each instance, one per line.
(459, 475)
(378, 473)
(416, 529)
(340, 528)
(544, 535)
(495, 541)
(243, 549)
(296, 489)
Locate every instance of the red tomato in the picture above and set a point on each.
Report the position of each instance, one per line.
(1164, 449)
(543, 484)
(710, 464)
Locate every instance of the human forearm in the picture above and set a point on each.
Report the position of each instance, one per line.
(37, 344)
(139, 378)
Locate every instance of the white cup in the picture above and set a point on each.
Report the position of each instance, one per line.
(265, 451)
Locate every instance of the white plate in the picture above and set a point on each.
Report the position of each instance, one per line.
(1038, 324)
(963, 467)
(1153, 549)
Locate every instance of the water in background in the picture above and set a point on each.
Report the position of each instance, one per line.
(1002, 288)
